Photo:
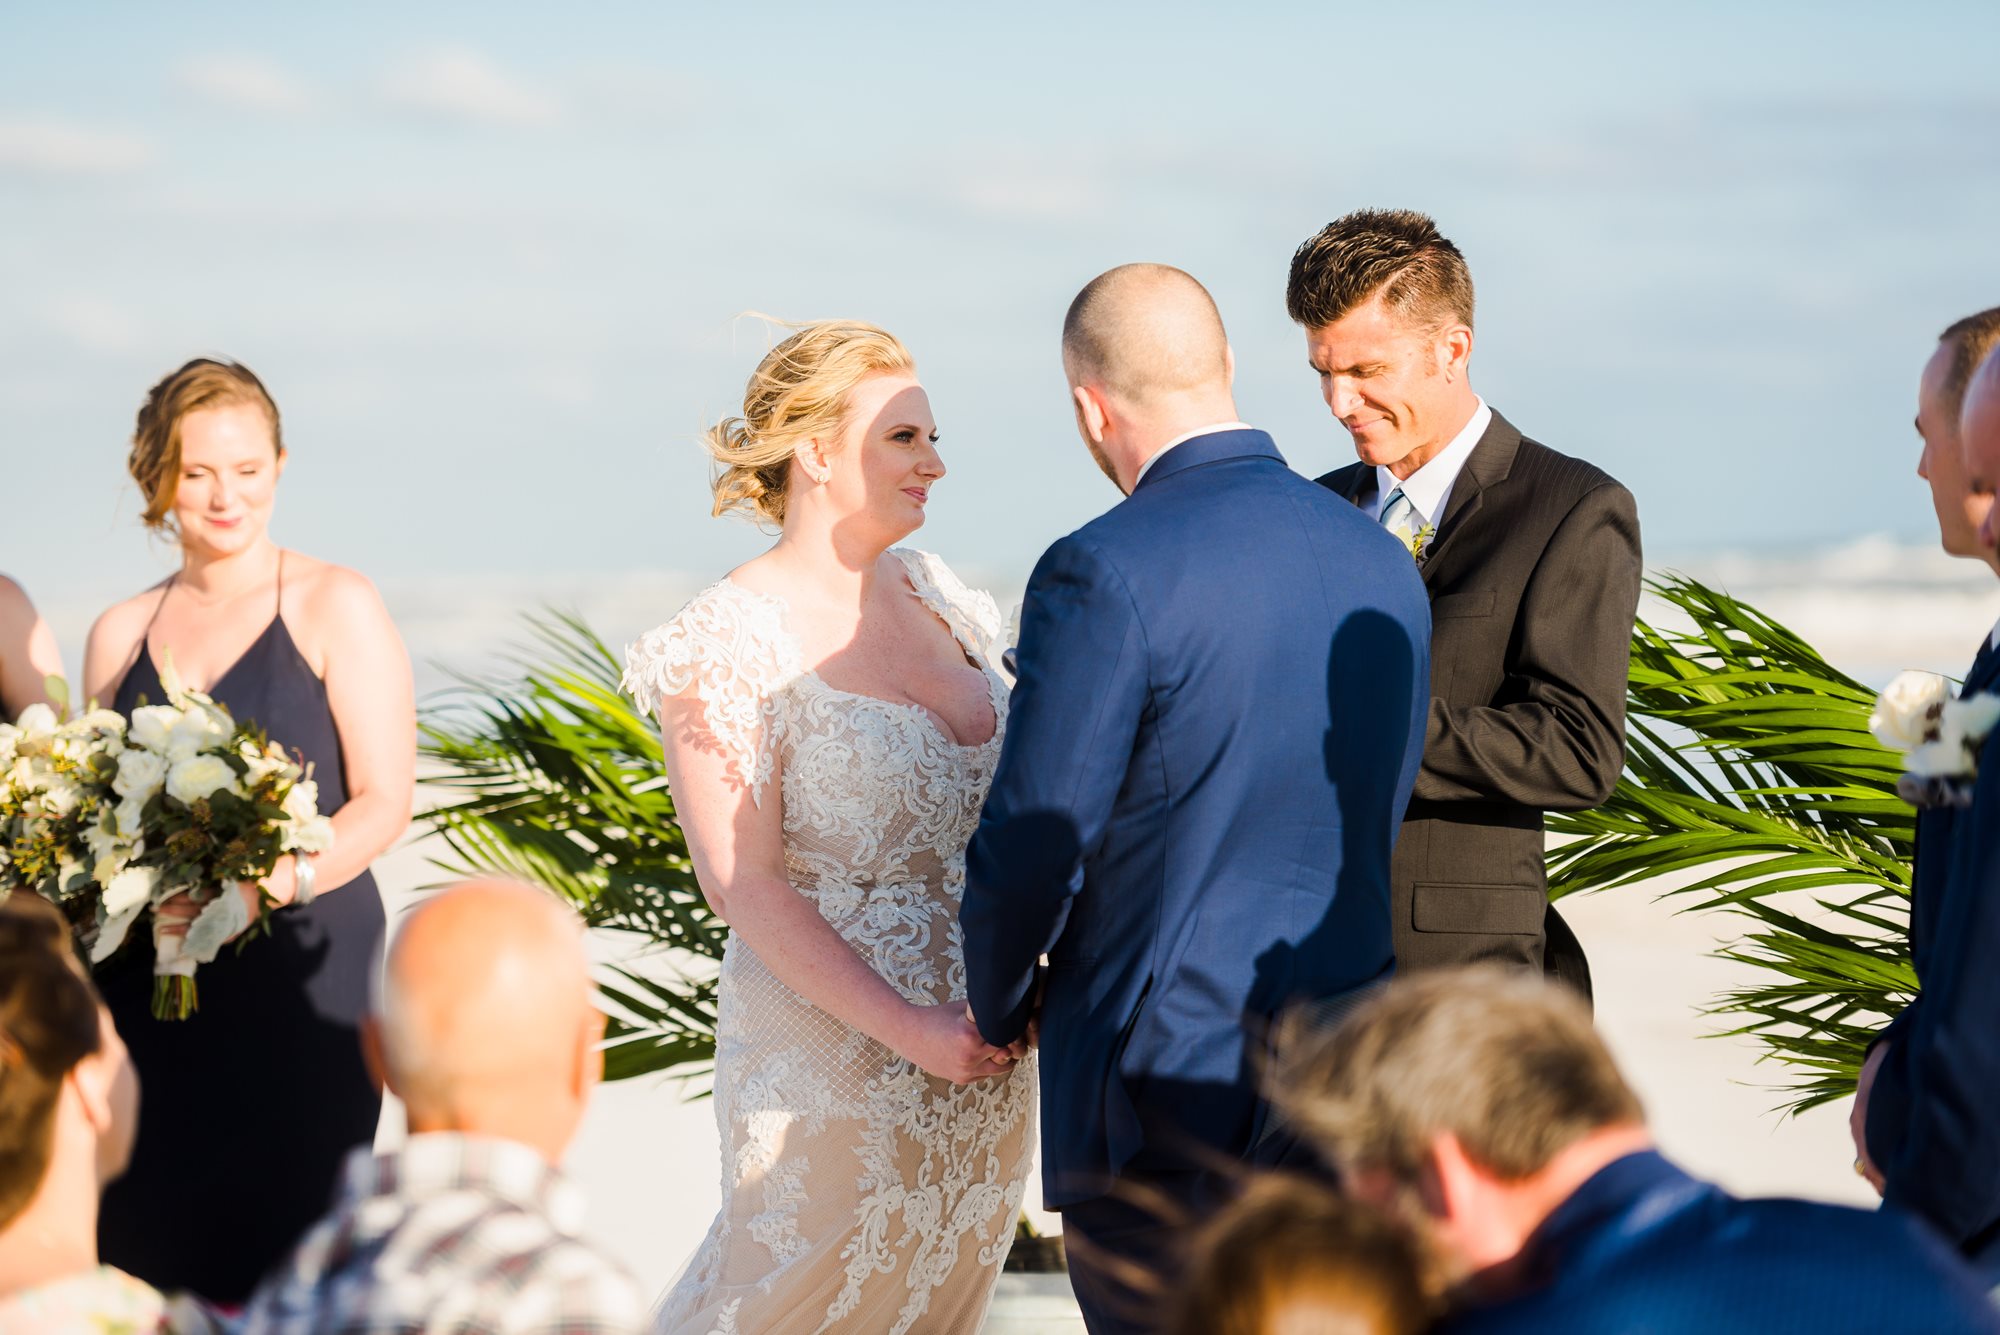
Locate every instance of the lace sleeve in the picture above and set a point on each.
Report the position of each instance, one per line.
(732, 653)
(970, 612)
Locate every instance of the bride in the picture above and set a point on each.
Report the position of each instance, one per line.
(832, 715)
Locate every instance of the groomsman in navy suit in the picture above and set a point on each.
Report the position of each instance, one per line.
(1927, 1113)
(1480, 1106)
(1216, 723)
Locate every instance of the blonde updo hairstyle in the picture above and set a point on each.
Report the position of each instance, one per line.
(155, 462)
(798, 392)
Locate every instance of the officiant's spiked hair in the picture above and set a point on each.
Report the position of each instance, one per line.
(1398, 254)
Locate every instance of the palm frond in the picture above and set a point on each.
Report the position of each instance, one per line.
(556, 778)
(1749, 759)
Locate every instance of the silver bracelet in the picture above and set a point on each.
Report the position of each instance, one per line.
(305, 873)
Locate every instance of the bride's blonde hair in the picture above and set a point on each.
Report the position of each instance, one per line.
(799, 391)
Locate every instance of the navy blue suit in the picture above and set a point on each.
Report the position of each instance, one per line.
(1934, 1113)
(1644, 1249)
(1220, 705)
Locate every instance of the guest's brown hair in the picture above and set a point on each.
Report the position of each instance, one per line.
(1292, 1256)
(1507, 1064)
(1396, 253)
(1971, 339)
(48, 1023)
(155, 462)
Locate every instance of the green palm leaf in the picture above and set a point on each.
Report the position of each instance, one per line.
(1750, 758)
(557, 778)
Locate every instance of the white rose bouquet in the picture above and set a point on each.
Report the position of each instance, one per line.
(55, 788)
(1940, 735)
(183, 800)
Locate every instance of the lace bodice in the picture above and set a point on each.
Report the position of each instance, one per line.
(879, 803)
(858, 1192)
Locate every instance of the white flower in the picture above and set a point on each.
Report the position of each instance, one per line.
(1906, 711)
(60, 796)
(302, 803)
(152, 725)
(140, 774)
(1975, 716)
(36, 724)
(131, 817)
(195, 731)
(129, 889)
(197, 777)
(313, 836)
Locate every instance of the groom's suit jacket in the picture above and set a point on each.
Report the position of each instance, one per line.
(1533, 574)
(1934, 1113)
(1210, 744)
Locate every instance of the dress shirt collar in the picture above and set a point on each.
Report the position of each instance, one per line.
(1182, 439)
(1429, 488)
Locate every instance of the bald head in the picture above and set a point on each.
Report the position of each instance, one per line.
(1146, 331)
(487, 1024)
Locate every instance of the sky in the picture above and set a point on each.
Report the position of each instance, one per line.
(495, 260)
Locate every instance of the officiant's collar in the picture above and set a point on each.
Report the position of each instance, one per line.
(1429, 488)
(1182, 439)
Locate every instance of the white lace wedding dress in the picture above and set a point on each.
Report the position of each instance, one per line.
(858, 1193)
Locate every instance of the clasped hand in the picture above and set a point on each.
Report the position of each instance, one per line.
(946, 1043)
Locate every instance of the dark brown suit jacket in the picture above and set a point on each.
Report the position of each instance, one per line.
(1533, 574)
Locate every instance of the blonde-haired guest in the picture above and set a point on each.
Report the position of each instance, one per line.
(255, 1100)
(28, 652)
(1292, 1257)
(831, 717)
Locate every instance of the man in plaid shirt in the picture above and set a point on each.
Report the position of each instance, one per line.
(487, 1033)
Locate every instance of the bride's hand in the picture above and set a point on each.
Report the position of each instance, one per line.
(943, 1041)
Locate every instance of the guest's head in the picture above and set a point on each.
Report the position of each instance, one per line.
(486, 1024)
(1386, 304)
(835, 431)
(1470, 1101)
(69, 1099)
(1147, 360)
(207, 454)
(1940, 400)
(1291, 1257)
(1979, 436)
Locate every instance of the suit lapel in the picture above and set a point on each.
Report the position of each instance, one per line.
(1985, 666)
(1487, 466)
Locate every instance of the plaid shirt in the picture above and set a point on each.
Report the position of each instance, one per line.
(450, 1233)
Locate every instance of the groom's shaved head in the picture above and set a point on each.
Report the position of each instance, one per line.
(1143, 331)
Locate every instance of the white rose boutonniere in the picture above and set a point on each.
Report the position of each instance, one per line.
(1939, 735)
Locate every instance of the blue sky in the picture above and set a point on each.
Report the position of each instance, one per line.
(490, 258)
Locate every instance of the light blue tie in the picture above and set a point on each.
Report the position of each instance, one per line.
(1398, 514)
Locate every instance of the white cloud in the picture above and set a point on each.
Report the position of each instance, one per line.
(95, 325)
(463, 85)
(64, 148)
(244, 82)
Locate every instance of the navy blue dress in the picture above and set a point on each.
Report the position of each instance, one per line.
(248, 1107)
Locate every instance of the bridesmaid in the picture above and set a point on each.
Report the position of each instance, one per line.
(28, 653)
(253, 1102)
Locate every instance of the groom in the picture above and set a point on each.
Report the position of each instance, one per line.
(1220, 703)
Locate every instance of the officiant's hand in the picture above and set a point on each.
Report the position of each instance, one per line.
(944, 1041)
(1857, 1118)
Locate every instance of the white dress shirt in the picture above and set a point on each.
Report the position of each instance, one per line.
(1182, 439)
(1429, 488)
